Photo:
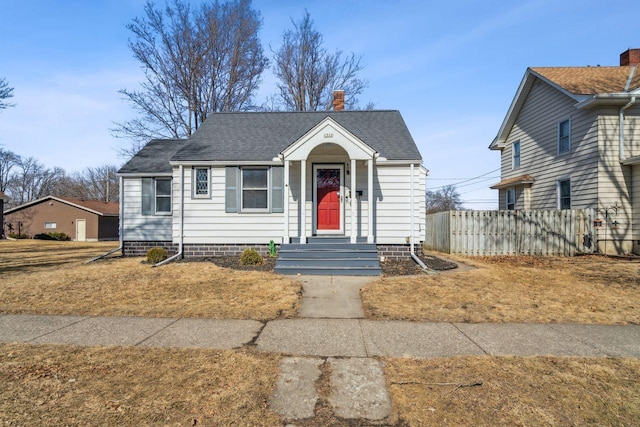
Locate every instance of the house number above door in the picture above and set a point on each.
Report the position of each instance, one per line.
(328, 135)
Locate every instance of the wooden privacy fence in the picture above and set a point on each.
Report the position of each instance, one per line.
(521, 232)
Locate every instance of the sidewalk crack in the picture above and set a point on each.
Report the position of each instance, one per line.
(364, 340)
(59, 329)
(469, 338)
(156, 332)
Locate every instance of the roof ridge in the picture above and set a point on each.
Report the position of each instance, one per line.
(304, 112)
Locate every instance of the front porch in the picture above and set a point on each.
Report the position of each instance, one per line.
(329, 186)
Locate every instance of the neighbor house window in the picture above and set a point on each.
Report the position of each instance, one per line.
(50, 225)
(564, 194)
(564, 136)
(255, 189)
(516, 155)
(156, 196)
(511, 199)
(201, 182)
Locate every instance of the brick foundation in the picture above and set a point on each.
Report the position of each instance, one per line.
(140, 248)
(400, 252)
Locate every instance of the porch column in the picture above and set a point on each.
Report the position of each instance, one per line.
(303, 201)
(370, 199)
(354, 226)
(285, 189)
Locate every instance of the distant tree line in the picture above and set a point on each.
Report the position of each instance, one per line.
(24, 179)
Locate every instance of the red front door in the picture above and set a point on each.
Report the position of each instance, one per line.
(328, 193)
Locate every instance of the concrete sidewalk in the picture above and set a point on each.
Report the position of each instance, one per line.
(329, 337)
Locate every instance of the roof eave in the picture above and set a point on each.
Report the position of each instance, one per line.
(600, 99)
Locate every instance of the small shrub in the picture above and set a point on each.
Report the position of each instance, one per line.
(250, 257)
(18, 236)
(52, 236)
(155, 255)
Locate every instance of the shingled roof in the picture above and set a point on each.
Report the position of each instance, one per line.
(592, 80)
(154, 157)
(261, 136)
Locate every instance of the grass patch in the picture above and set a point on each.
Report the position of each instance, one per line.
(54, 280)
(56, 385)
(587, 289)
(515, 391)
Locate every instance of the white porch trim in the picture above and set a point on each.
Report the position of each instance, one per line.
(353, 201)
(370, 201)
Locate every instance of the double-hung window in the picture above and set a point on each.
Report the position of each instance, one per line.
(516, 155)
(564, 194)
(564, 136)
(511, 199)
(156, 196)
(254, 189)
(201, 183)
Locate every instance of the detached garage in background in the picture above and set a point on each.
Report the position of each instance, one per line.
(81, 220)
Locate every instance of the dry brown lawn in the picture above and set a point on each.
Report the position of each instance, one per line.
(587, 289)
(64, 385)
(68, 385)
(540, 391)
(53, 279)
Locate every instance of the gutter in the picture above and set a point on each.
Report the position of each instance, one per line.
(181, 241)
(120, 228)
(631, 102)
(411, 237)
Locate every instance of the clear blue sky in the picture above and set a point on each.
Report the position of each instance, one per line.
(450, 67)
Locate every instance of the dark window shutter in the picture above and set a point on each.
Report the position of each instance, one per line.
(147, 196)
(277, 189)
(231, 189)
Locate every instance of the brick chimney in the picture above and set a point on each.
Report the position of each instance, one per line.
(338, 100)
(629, 57)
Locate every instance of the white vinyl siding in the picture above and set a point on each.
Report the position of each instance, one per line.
(207, 221)
(137, 226)
(614, 182)
(537, 129)
(636, 208)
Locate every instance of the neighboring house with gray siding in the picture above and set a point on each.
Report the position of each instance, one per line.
(245, 179)
(571, 139)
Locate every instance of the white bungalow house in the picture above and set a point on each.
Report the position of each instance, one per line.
(246, 179)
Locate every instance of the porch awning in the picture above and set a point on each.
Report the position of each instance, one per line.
(510, 182)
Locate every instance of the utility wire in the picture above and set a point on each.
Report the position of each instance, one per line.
(463, 180)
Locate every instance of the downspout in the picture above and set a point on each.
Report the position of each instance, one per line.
(120, 227)
(411, 236)
(181, 240)
(621, 132)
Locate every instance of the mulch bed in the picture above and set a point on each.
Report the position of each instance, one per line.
(389, 267)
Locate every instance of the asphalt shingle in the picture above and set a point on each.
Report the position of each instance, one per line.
(154, 157)
(262, 136)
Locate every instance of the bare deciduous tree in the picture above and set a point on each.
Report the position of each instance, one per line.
(92, 183)
(195, 62)
(308, 74)
(445, 199)
(8, 160)
(31, 180)
(6, 92)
